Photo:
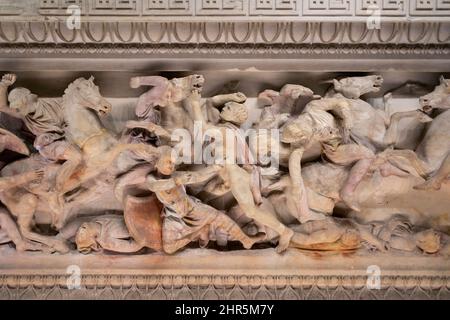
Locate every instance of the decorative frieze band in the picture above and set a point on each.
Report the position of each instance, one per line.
(225, 32)
(293, 8)
(204, 287)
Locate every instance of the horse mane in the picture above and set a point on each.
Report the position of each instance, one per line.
(76, 84)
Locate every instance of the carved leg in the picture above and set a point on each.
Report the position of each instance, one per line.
(142, 150)
(240, 188)
(370, 241)
(73, 161)
(150, 127)
(172, 246)
(388, 169)
(406, 160)
(435, 182)
(391, 136)
(300, 209)
(8, 225)
(316, 232)
(27, 205)
(223, 222)
(356, 175)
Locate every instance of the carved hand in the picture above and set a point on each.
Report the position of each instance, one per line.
(34, 176)
(194, 97)
(8, 79)
(135, 82)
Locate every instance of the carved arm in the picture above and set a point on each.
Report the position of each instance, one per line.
(156, 185)
(188, 177)
(7, 81)
(156, 81)
(338, 106)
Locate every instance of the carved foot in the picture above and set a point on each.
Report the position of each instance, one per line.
(248, 244)
(285, 239)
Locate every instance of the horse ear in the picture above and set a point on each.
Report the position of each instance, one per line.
(443, 81)
(337, 84)
(91, 78)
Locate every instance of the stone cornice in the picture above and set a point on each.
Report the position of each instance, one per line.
(213, 274)
(225, 21)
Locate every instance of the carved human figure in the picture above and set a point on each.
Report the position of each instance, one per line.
(187, 219)
(337, 234)
(101, 233)
(100, 149)
(371, 128)
(279, 106)
(163, 104)
(239, 173)
(334, 234)
(45, 119)
(163, 108)
(316, 124)
(398, 234)
(434, 150)
(9, 232)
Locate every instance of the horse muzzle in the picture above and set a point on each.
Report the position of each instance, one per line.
(104, 108)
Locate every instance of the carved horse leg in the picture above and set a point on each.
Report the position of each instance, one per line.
(391, 135)
(390, 162)
(231, 228)
(94, 169)
(435, 182)
(9, 226)
(240, 188)
(25, 209)
(356, 175)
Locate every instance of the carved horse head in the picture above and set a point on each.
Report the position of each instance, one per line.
(355, 87)
(439, 98)
(85, 93)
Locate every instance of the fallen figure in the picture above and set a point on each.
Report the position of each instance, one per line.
(340, 234)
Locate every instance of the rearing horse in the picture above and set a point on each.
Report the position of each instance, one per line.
(434, 150)
(82, 105)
